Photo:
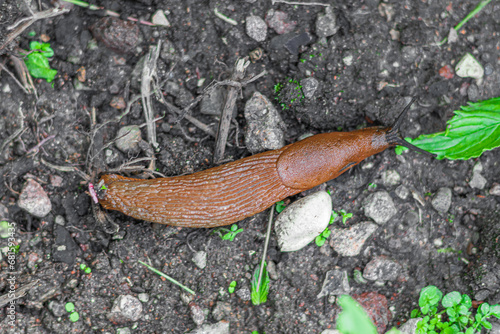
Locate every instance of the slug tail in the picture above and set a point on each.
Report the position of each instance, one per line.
(393, 136)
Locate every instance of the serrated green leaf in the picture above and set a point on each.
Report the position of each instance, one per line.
(39, 67)
(452, 299)
(471, 131)
(260, 296)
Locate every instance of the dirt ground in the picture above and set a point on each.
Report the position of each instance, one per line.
(368, 57)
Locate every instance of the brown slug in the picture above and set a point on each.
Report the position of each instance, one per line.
(229, 193)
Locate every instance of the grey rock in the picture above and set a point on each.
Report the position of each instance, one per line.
(123, 330)
(336, 283)
(331, 331)
(221, 310)
(409, 53)
(256, 28)
(160, 19)
(477, 181)
(469, 67)
(410, 326)
(264, 125)
(213, 103)
(326, 25)
(391, 178)
(495, 190)
(349, 242)
(402, 192)
(34, 199)
(57, 309)
(379, 207)
(473, 93)
(244, 294)
(197, 314)
(442, 200)
(222, 327)
(200, 259)
(125, 308)
(302, 221)
(271, 269)
(143, 297)
(4, 212)
(128, 138)
(381, 268)
(278, 21)
(309, 87)
(60, 220)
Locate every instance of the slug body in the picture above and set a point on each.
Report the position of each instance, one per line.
(228, 193)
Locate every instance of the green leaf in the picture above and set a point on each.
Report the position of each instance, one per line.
(393, 330)
(452, 299)
(464, 320)
(415, 313)
(466, 301)
(70, 307)
(280, 206)
(469, 330)
(227, 236)
(320, 241)
(495, 310)
(39, 67)
(234, 227)
(260, 296)
(486, 324)
(326, 233)
(73, 317)
(471, 131)
(463, 310)
(429, 296)
(451, 313)
(353, 318)
(484, 308)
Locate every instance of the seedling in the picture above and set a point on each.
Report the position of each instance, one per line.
(345, 215)
(232, 286)
(289, 94)
(85, 269)
(321, 239)
(230, 233)
(280, 206)
(4, 229)
(167, 277)
(14, 249)
(457, 309)
(471, 131)
(37, 61)
(70, 308)
(259, 294)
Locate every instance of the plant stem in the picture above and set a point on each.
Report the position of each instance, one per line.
(266, 243)
(167, 277)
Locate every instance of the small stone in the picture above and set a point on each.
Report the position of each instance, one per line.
(118, 35)
(56, 181)
(271, 269)
(391, 178)
(296, 41)
(376, 306)
(34, 199)
(331, 331)
(442, 201)
(347, 60)
(410, 327)
(160, 19)
(123, 330)
(326, 24)
(264, 125)
(446, 72)
(336, 283)
(469, 67)
(349, 242)
(213, 103)
(221, 310)
(302, 221)
(143, 297)
(60, 220)
(380, 207)
(256, 28)
(222, 327)
(495, 190)
(278, 21)
(125, 308)
(200, 259)
(118, 102)
(402, 192)
(128, 138)
(473, 93)
(244, 294)
(381, 268)
(452, 36)
(309, 86)
(477, 181)
(196, 314)
(57, 309)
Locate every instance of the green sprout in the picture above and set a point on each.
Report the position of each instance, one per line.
(289, 94)
(70, 307)
(4, 229)
(85, 269)
(232, 286)
(321, 239)
(37, 61)
(74, 317)
(457, 308)
(14, 249)
(345, 215)
(156, 271)
(280, 206)
(230, 233)
(259, 294)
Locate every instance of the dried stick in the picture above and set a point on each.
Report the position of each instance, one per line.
(227, 111)
(148, 72)
(19, 293)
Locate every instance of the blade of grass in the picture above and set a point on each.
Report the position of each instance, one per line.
(266, 243)
(476, 10)
(167, 277)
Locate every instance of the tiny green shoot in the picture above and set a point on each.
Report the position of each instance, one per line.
(260, 296)
(70, 307)
(74, 317)
(345, 215)
(167, 277)
(14, 249)
(230, 233)
(280, 206)
(232, 286)
(321, 239)
(37, 61)
(4, 229)
(85, 269)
